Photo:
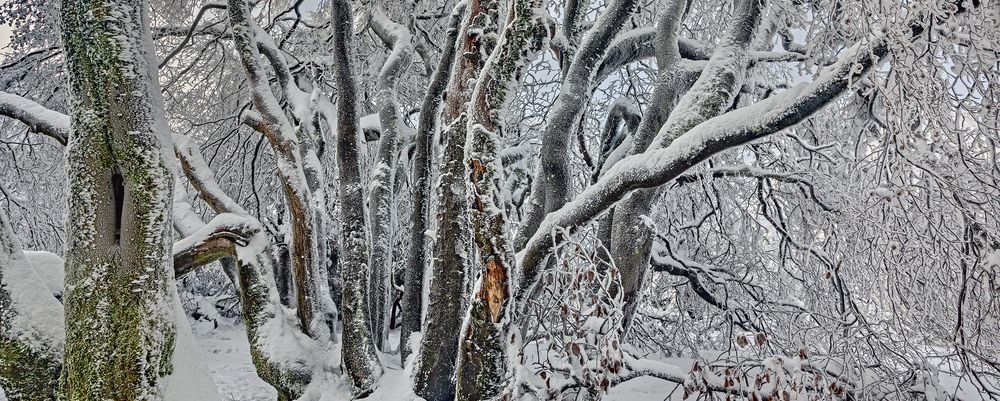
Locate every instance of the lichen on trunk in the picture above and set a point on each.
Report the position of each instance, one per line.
(118, 297)
(358, 349)
(32, 338)
(483, 368)
(427, 127)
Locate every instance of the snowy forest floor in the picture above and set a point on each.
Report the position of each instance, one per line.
(227, 355)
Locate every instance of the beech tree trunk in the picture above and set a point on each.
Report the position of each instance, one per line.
(270, 121)
(711, 95)
(433, 377)
(119, 296)
(426, 129)
(261, 309)
(358, 349)
(397, 38)
(483, 367)
(552, 187)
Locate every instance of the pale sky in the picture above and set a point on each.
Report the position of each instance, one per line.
(4, 37)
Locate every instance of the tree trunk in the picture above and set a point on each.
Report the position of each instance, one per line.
(288, 371)
(433, 377)
(483, 367)
(32, 336)
(398, 39)
(119, 295)
(552, 185)
(416, 264)
(435, 369)
(270, 121)
(358, 349)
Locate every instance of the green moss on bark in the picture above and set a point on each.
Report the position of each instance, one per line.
(120, 331)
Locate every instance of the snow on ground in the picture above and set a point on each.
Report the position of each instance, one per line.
(227, 355)
(645, 389)
(49, 267)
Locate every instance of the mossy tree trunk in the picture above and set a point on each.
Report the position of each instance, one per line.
(119, 280)
(427, 127)
(483, 368)
(32, 338)
(434, 373)
(358, 350)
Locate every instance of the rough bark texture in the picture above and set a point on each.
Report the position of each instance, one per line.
(400, 42)
(483, 369)
(234, 241)
(435, 367)
(435, 370)
(359, 357)
(119, 296)
(412, 305)
(270, 121)
(551, 185)
(31, 354)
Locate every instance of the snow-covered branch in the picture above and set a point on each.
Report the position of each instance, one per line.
(659, 166)
(217, 239)
(551, 185)
(38, 118)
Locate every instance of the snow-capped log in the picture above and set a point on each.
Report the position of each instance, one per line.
(400, 42)
(484, 369)
(215, 240)
(359, 357)
(659, 166)
(287, 371)
(32, 328)
(269, 119)
(551, 184)
(427, 126)
(189, 156)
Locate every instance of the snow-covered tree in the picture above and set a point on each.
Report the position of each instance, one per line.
(502, 199)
